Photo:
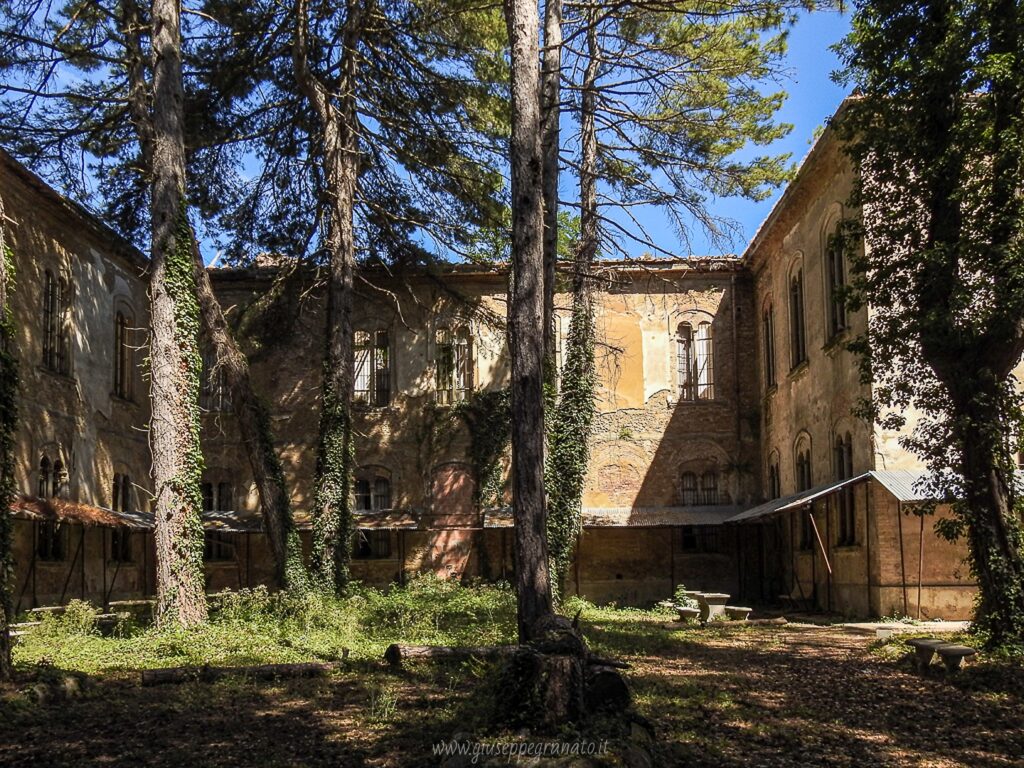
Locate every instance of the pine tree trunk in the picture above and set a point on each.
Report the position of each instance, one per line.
(551, 114)
(254, 426)
(8, 428)
(526, 323)
(174, 345)
(333, 526)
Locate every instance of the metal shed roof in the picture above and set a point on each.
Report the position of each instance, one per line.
(901, 483)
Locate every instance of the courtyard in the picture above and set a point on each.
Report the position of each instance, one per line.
(727, 694)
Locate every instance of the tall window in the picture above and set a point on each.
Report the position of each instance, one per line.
(124, 357)
(120, 538)
(798, 331)
(453, 365)
(843, 459)
(774, 483)
(371, 353)
(835, 262)
(695, 362)
(56, 312)
(51, 478)
(214, 395)
(688, 485)
(768, 340)
(803, 465)
(373, 494)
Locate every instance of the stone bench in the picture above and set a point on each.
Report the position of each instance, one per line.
(952, 655)
(712, 605)
(687, 614)
(737, 613)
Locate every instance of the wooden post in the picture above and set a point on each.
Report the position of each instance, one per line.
(104, 574)
(827, 547)
(82, 564)
(867, 542)
(903, 562)
(920, 567)
(577, 558)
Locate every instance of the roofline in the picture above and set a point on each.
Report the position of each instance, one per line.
(817, 148)
(92, 221)
(690, 265)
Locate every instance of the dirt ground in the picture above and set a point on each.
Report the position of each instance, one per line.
(764, 696)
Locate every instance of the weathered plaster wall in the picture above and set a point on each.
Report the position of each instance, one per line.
(75, 417)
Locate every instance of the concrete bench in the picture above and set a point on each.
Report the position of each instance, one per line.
(737, 613)
(712, 604)
(953, 655)
(687, 614)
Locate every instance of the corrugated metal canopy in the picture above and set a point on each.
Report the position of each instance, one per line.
(64, 510)
(901, 483)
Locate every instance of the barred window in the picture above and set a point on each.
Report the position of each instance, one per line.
(218, 546)
(371, 365)
(689, 489)
(695, 363)
(709, 488)
(124, 357)
(835, 261)
(701, 539)
(373, 494)
(798, 332)
(453, 365)
(372, 545)
(843, 457)
(56, 317)
(768, 341)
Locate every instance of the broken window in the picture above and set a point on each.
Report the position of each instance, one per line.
(371, 367)
(843, 458)
(768, 341)
(56, 317)
(124, 357)
(453, 365)
(695, 364)
(372, 545)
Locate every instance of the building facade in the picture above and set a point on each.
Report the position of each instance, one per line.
(725, 454)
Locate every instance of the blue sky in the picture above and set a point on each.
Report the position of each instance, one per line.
(813, 97)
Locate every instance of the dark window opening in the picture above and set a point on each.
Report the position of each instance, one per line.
(372, 545)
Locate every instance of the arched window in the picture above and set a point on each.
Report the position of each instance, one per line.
(798, 331)
(124, 357)
(695, 362)
(453, 364)
(688, 486)
(44, 489)
(372, 493)
(57, 479)
(56, 312)
(371, 365)
(768, 343)
(709, 488)
(804, 478)
(218, 496)
(835, 263)
(843, 459)
(774, 480)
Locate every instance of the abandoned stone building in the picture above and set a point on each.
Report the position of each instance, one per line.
(725, 455)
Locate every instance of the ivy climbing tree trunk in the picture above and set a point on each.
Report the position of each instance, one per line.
(8, 429)
(551, 114)
(250, 412)
(333, 525)
(174, 343)
(569, 438)
(526, 324)
(254, 427)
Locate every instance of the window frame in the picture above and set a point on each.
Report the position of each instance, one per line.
(797, 318)
(56, 351)
(454, 364)
(124, 356)
(768, 345)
